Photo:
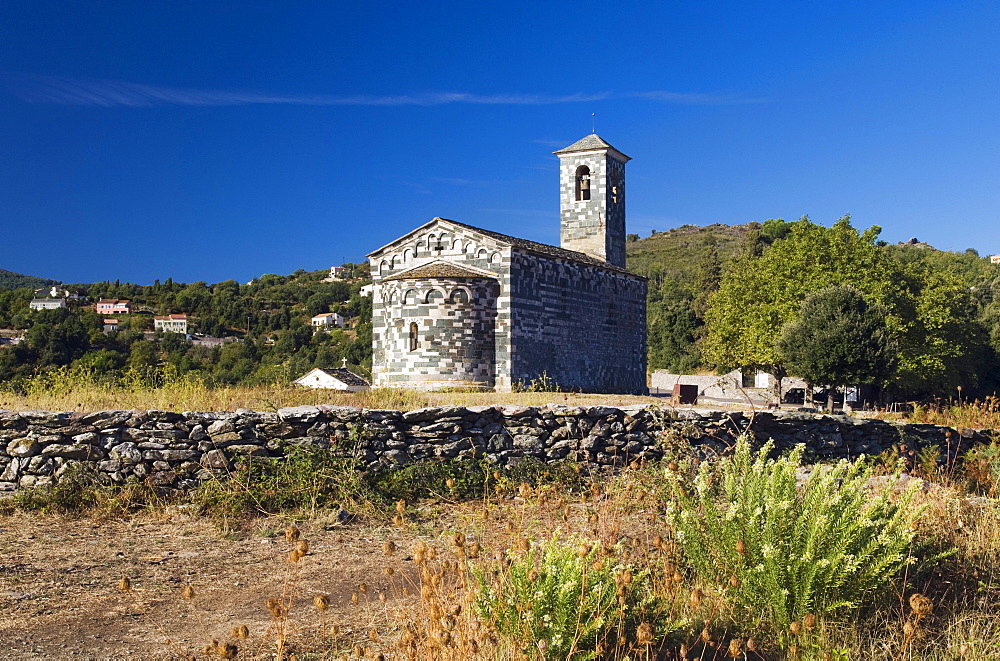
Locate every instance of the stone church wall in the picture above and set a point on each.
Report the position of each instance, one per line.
(583, 327)
(454, 344)
(180, 450)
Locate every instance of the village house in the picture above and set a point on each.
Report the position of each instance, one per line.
(340, 378)
(113, 306)
(994, 259)
(458, 306)
(171, 323)
(327, 320)
(47, 303)
(110, 325)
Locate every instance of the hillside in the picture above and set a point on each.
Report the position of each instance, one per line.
(11, 280)
(677, 253)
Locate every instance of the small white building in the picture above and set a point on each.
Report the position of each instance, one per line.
(171, 323)
(340, 378)
(47, 303)
(327, 320)
(994, 259)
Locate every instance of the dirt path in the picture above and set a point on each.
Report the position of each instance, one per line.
(59, 595)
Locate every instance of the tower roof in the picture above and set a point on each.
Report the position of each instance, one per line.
(590, 143)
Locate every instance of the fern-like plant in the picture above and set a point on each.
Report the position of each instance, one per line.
(781, 553)
(565, 600)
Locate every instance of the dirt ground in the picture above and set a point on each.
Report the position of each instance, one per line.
(60, 598)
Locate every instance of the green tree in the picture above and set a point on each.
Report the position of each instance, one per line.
(838, 339)
(759, 294)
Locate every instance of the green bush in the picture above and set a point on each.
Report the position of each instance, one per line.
(306, 479)
(778, 552)
(565, 594)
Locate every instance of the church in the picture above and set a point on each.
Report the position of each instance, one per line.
(457, 306)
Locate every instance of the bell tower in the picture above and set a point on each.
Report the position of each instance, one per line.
(592, 199)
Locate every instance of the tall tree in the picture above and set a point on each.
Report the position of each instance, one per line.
(838, 339)
(758, 295)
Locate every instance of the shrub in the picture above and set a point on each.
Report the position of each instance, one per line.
(567, 601)
(306, 479)
(779, 554)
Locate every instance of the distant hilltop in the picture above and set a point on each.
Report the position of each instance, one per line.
(11, 280)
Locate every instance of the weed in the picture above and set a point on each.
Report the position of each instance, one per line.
(779, 554)
(569, 599)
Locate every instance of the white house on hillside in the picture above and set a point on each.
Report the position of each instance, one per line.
(171, 323)
(340, 378)
(327, 320)
(47, 303)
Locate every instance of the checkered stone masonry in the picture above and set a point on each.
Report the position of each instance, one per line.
(583, 327)
(595, 226)
(454, 343)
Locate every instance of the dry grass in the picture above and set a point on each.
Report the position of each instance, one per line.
(439, 556)
(191, 396)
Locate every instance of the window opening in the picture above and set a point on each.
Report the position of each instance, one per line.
(582, 183)
(413, 336)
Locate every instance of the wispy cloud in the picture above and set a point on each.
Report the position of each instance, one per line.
(115, 93)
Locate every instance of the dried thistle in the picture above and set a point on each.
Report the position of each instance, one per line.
(795, 628)
(241, 632)
(321, 602)
(389, 547)
(302, 546)
(125, 585)
(363, 588)
(227, 651)
(921, 605)
(294, 555)
(644, 634)
(401, 507)
(188, 592)
(354, 598)
(522, 544)
(276, 607)
(389, 571)
(292, 533)
(696, 596)
(809, 621)
(735, 648)
(458, 540)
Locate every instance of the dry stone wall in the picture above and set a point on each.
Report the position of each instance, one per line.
(179, 450)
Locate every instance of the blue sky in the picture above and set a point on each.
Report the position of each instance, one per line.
(214, 140)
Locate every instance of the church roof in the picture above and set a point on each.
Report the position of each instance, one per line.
(439, 269)
(513, 241)
(589, 143)
(543, 248)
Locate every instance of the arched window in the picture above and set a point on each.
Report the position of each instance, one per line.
(582, 183)
(413, 336)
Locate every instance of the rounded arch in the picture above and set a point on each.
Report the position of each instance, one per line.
(434, 295)
(394, 297)
(392, 263)
(470, 248)
(483, 253)
(383, 267)
(495, 258)
(407, 255)
(460, 296)
(457, 245)
(582, 183)
(410, 298)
